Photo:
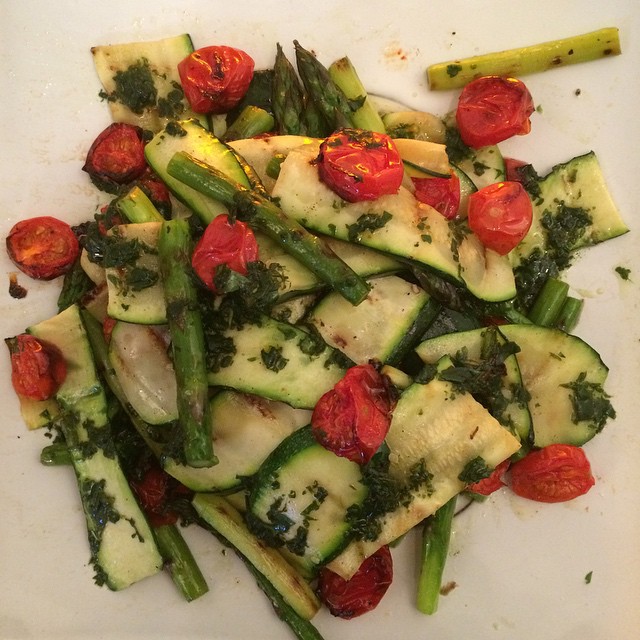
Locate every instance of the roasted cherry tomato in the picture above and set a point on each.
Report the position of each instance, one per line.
(353, 418)
(223, 242)
(494, 482)
(500, 215)
(37, 368)
(360, 165)
(43, 247)
(363, 591)
(512, 167)
(116, 156)
(443, 194)
(215, 79)
(492, 109)
(156, 191)
(555, 473)
(155, 490)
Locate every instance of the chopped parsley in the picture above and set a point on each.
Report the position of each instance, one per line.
(590, 402)
(273, 359)
(367, 222)
(623, 272)
(474, 471)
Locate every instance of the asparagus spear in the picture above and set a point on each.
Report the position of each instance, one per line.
(327, 97)
(288, 97)
(344, 74)
(569, 314)
(264, 215)
(137, 207)
(251, 122)
(179, 560)
(549, 302)
(526, 60)
(435, 546)
(187, 340)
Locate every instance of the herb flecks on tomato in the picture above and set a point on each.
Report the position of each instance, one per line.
(362, 592)
(500, 215)
(43, 247)
(116, 156)
(555, 473)
(215, 79)
(37, 369)
(443, 194)
(492, 109)
(360, 165)
(353, 418)
(223, 243)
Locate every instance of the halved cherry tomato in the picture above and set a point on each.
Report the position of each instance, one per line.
(492, 109)
(494, 482)
(511, 166)
(360, 165)
(155, 490)
(500, 215)
(43, 247)
(37, 368)
(363, 591)
(353, 418)
(116, 156)
(443, 194)
(215, 78)
(555, 473)
(223, 242)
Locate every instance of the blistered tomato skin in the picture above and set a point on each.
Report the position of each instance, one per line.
(223, 242)
(362, 592)
(556, 473)
(37, 369)
(42, 247)
(116, 156)
(360, 165)
(443, 194)
(492, 109)
(215, 79)
(353, 418)
(500, 215)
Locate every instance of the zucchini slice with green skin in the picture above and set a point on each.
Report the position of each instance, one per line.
(570, 190)
(227, 521)
(396, 224)
(300, 497)
(417, 125)
(484, 166)
(564, 377)
(470, 349)
(135, 289)
(139, 358)
(441, 430)
(190, 137)
(378, 328)
(123, 550)
(278, 361)
(152, 68)
(245, 430)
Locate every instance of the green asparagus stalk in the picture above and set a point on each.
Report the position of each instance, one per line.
(264, 215)
(549, 302)
(569, 314)
(137, 207)
(187, 341)
(314, 123)
(179, 560)
(288, 96)
(251, 122)
(521, 61)
(435, 547)
(327, 97)
(344, 74)
(75, 285)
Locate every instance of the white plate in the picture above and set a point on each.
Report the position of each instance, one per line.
(519, 567)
